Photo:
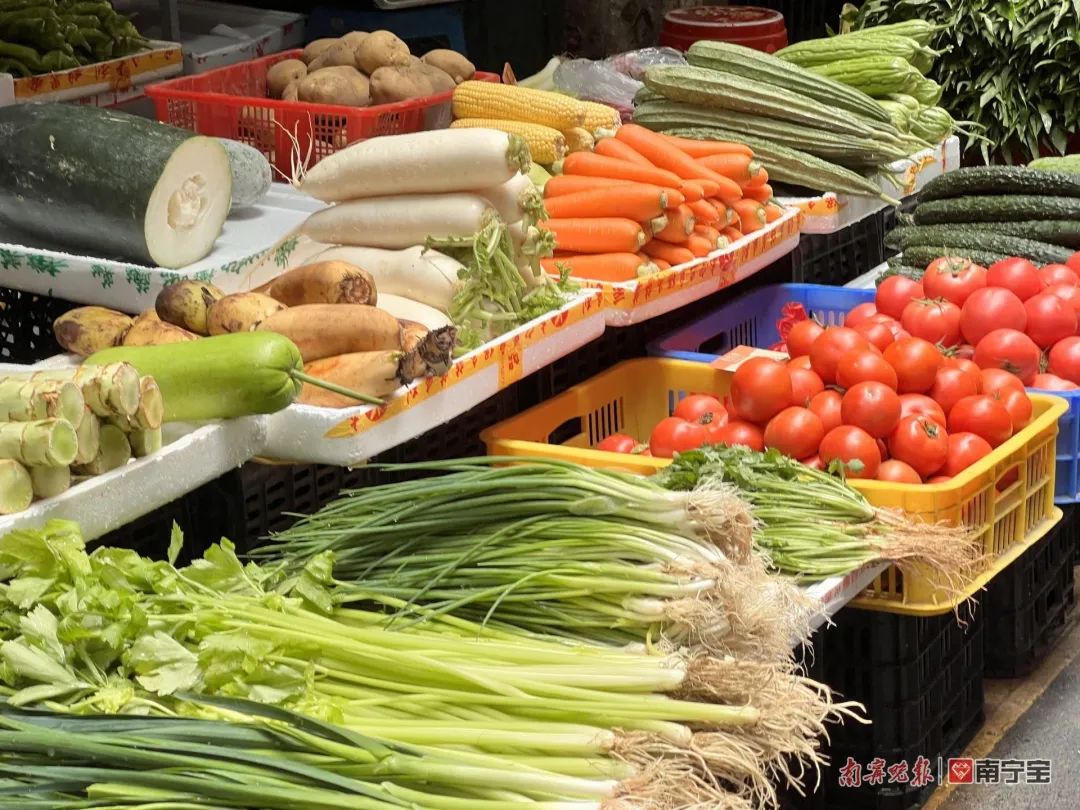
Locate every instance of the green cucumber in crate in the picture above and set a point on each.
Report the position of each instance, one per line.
(1001, 180)
(997, 208)
(1062, 233)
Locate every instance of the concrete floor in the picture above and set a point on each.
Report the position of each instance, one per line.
(1031, 718)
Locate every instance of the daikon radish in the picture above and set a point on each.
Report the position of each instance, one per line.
(400, 221)
(515, 198)
(432, 162)
(407, 309)
(426, 276)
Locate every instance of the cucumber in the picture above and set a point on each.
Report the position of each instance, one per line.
(1001, 180)
(1069, 164)
(1017, 207)
(251, 173)
(110, 184)
(1064, 233)
(922, 255)
(971, 237)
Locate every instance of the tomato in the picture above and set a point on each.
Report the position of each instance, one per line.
(1069, 293)
(814, 462)
(964, 450)
(618, 443)
(894, 293)
(827, 350)
(795, 432)
(805, 385)
(674, 435)
(938, 479)
(802, 337)
(1052, 274)
(860, 314)
(965, 351)
(989, 309)
(854, 448)
(741, 433)
(879, 334)
(951, 385)
(920, 442)
(1010, 350)
(921, 405)
(861, 366)
(1052, 382)
(1074, 261)
(1018, 276)
(872, 406)
(1064, 359)
(760, 389)
(883, 449)
(1008, 479)
(916, 362)
(701, 408)
(1018, 404)
(996, 380)
(1049, 319)
(953, 279)
(898, 472)
(802, 361)
(828, 407)
(935, 321)
(969, 366)
(982, 415)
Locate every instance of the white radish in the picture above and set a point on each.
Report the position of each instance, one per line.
(426, 276)
(405, 309)
(417, 163)
(398, 222)
(514, 199)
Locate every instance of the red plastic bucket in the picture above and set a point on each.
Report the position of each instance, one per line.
(760, 28)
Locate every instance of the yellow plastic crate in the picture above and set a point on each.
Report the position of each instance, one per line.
(633, 396)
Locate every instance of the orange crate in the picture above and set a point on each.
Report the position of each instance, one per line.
(633, 396)
(232, 102)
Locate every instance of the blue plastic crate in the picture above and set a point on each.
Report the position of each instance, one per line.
(751, 321)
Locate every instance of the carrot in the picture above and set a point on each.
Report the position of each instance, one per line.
(704, 211)
(376, 373)
(699, 245)
(672, 254)
(762, 193)
(751, 215)
(596, 235)
(614, 148)
(325, 330)
(679, 226)
(638, 202)
(740, 168)
(592, 165)
(655, 225)
(710, 233)
(773, 212)
(666, 156)
(602, 266)
(733, 234)
(759, 179)
(692, 190)
(700, 149)
(658, 262)
(562, 184)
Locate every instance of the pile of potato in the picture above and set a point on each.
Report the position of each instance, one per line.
(362, 69)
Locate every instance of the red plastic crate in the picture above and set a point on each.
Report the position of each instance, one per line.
(231, 102)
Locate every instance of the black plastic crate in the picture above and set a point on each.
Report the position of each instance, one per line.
(839, 257)
(26, 334)
(921, 681)
(805, 19)
(1027, 605)
(812, 658)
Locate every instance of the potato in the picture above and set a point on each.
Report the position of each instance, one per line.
(341, 53)
(325, 87)
(451, 62)
(316, 48)
(359, 80)
(441, 81)
(391, 84)
(292, 92)
(282, 74)
(381, 49)
(354, 38)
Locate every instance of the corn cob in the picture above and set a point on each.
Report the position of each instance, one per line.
(546, 145)
(512, 103)
(579, 139)
(600, 116)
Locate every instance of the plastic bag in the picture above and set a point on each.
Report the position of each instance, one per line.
(615, 80)
(634, 63)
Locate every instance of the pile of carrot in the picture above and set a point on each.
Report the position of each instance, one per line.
(643, 201)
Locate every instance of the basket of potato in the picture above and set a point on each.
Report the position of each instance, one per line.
(318, 100)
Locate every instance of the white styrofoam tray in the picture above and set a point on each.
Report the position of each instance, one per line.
(831, 212)
(835, 592)
(248, 234)
(300, 432)
(192, 455)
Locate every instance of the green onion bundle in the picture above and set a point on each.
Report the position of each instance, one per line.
(813, 525)
(559, 549)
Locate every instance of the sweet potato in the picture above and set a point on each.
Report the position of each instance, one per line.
(376, 374)
(330, 282)
(325, 330)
